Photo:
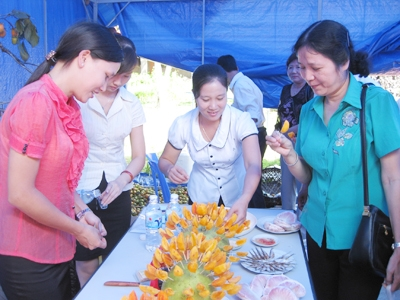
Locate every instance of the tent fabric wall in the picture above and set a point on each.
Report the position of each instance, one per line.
(258, 33)
(60, 15)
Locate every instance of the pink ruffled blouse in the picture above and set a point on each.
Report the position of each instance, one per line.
(42, 123)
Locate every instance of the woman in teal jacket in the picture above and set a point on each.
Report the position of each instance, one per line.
(328, 159)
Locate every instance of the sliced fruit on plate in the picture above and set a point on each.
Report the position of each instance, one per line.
(272, 287)
(265, 240)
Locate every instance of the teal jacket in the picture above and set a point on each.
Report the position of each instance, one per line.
(335, 193)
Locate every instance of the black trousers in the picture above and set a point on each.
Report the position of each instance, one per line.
(335, 279)
(23, 279)
(257, 201)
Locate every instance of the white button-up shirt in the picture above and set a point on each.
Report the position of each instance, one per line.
(218, 168)
(247, 97)
(106, 135)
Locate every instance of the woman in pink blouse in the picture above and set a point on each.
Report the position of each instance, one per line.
(42, 153)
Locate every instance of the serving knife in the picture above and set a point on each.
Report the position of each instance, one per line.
(121, 283)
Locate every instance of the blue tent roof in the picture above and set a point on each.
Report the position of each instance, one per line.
(258, 33)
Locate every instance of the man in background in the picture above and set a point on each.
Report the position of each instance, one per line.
(247, 97)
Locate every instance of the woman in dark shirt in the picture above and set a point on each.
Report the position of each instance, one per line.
(293, 96)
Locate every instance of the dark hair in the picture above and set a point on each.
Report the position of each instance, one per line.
(332, 40)
(227, 62)
(129, 51)
(205, 74)
(82, 36)
(291, 58)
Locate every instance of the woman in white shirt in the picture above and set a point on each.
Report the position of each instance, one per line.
(222, 141)
(108, 118)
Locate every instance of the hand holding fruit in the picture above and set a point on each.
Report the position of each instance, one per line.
(240, 209)
(279, 143)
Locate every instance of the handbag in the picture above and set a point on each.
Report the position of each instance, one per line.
(372, 246)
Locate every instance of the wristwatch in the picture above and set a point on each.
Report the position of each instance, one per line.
(395, 245)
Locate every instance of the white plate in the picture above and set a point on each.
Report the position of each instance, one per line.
(272, 240)
(232, 242)
(253, 222)
(269, 219)
(278, 253)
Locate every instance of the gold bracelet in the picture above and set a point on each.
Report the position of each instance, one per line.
(291, 165)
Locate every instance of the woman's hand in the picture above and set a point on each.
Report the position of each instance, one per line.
(279, 143)
(302, 196)
(390, 174)
(393, 271)
(177, 175)
(240, 208)
(92, 234)
(113, 190)
(91, 219)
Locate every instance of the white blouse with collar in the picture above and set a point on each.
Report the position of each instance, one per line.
(106, 135)
(218, 168)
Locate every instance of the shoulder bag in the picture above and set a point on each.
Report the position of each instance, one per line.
(372, 246)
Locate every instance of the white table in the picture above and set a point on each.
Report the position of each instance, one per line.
(130, 256)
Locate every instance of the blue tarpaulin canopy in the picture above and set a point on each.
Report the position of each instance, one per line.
(187, 33)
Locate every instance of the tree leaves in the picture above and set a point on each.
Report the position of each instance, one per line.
(30, 34)
(22, 51)
(27, 30)
(19, 14)
(23, 30)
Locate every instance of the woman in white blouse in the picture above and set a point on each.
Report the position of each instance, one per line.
(222, 141)
(108, 118)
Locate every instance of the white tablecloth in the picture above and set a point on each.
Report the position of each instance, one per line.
(130, 256)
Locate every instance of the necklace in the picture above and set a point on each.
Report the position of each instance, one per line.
(105, 103)
(208, 139)
(204, 131)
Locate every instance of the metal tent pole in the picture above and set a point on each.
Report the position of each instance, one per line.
(203, 33)
(46, 45)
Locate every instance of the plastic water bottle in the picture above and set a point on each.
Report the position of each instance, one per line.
(88, 196)
(153, 216)
(174, 205)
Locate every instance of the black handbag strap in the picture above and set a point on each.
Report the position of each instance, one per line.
(364, 147)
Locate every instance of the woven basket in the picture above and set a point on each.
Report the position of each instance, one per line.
(271, 185)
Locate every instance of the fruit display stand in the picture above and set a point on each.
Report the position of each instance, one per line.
(130, 256)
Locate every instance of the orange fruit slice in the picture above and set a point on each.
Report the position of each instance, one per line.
(285, 126)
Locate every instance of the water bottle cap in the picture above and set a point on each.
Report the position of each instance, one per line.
(96, 193)
(174, 197)
(153, 198)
